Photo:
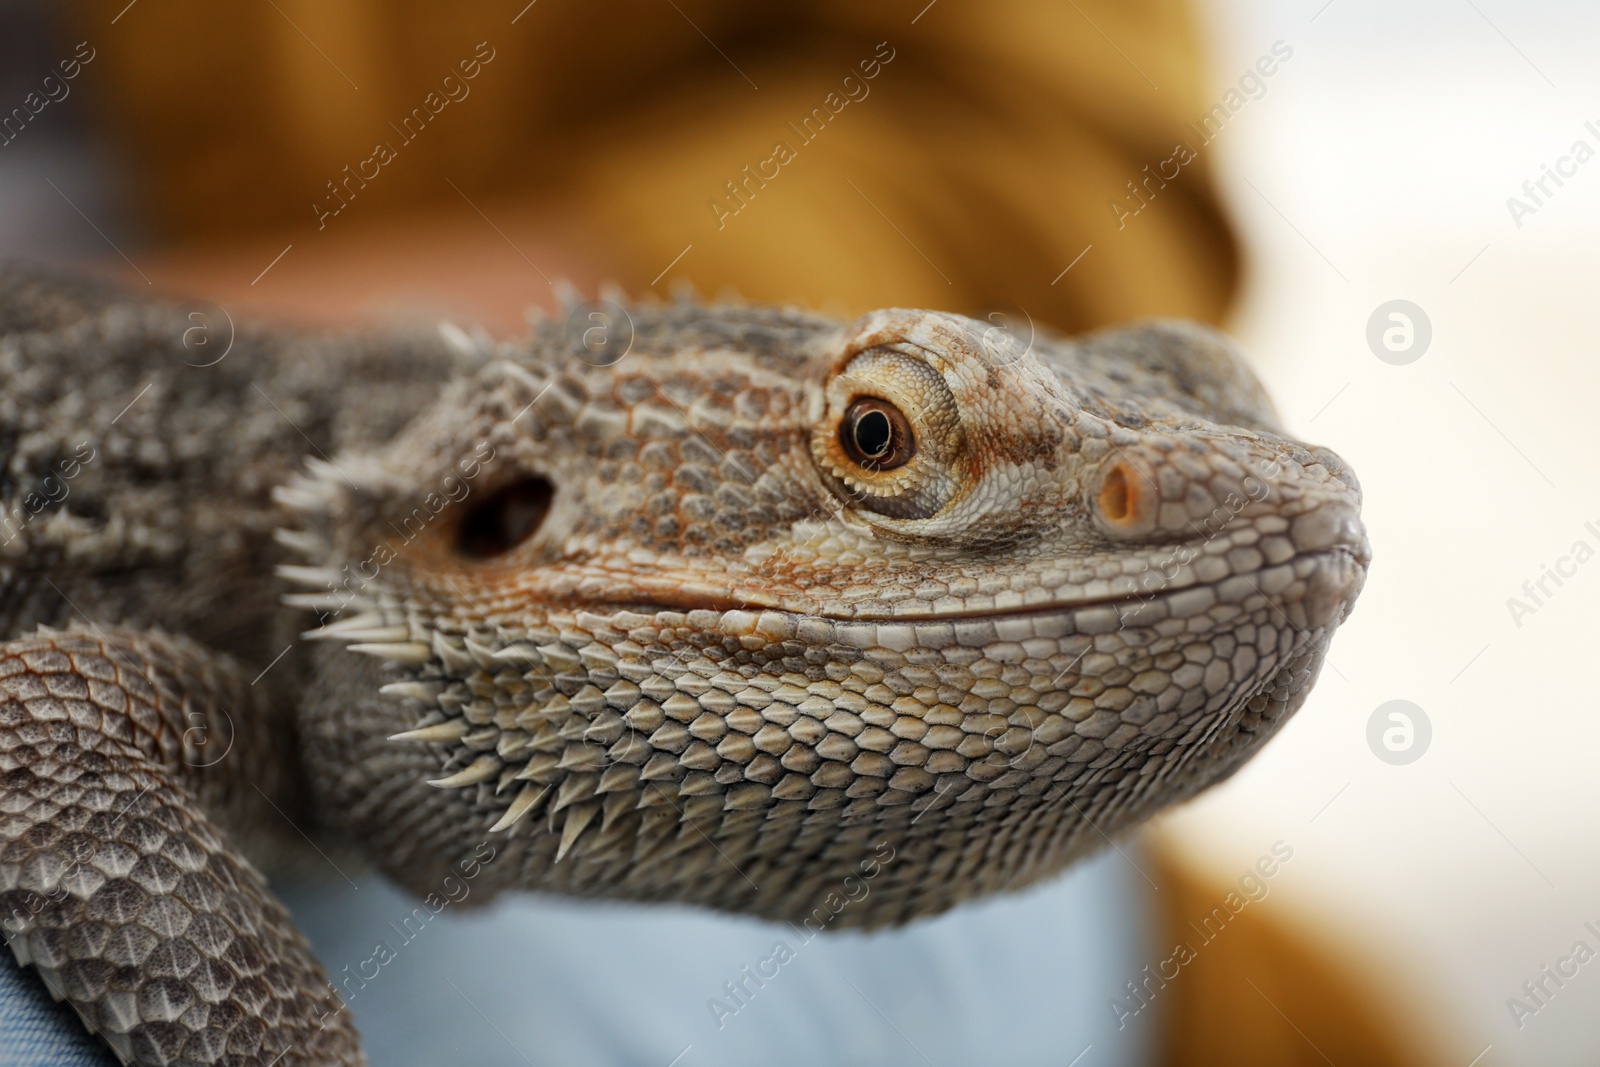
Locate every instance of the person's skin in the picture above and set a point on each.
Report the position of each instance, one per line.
(414, 268)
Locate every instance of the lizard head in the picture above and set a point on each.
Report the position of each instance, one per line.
(728, 605)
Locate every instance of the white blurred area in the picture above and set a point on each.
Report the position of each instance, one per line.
(1377, 166)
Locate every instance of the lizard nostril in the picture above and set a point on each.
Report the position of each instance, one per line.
(505, 518)
(1124, 501)
(1118, 499)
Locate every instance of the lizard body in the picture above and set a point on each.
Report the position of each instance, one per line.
(715, 605)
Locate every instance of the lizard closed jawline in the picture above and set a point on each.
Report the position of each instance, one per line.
(718, 597)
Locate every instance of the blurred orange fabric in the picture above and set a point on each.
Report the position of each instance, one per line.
(942, 154)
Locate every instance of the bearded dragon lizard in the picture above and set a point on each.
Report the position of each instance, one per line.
(675, 602)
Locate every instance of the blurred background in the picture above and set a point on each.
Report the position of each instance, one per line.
(1377, 163)
(1380, 169)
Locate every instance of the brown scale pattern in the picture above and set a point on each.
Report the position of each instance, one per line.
(118, 886)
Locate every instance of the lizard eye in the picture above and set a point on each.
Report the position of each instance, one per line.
(505, 518)
(890, 441)
(875, 435)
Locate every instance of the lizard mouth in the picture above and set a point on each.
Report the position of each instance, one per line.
(1320, 585)
(1323, 571)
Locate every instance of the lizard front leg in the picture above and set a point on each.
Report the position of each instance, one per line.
(126, 758)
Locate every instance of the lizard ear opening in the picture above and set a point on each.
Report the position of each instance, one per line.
(505, 518)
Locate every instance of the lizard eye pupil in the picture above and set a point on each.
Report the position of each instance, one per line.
(876, 435)
(505, 518)
(873, 433)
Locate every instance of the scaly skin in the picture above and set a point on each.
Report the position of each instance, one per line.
(628, 605)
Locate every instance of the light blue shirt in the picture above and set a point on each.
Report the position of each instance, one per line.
(1023, 979)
